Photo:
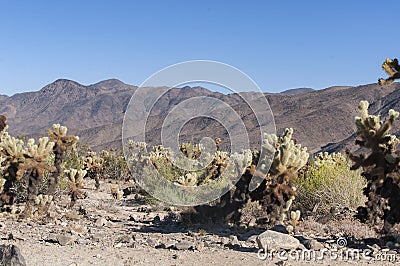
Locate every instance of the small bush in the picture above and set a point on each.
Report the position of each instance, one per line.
(327, 181)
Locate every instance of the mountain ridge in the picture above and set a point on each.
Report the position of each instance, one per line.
(322, 119)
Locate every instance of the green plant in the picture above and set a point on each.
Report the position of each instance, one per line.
(326, 181)
(380, 167)
(114, 165)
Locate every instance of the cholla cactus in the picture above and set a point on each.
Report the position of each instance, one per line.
(328, 158)
(35, 164)
(381, 167)
(93, 165)
(62, 142)
(43, 203)
(13, 154)
(295, 217)
(75, 178)
(391, 68)
(189, 179)
(191, 151)
(277, 191)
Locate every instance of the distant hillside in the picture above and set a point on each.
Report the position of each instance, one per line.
(322, 119)
(297, 91)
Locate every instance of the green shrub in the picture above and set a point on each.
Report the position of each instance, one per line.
(327, 181)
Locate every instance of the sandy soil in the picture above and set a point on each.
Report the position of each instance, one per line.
(100, 230)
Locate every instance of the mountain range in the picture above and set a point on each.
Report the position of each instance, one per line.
(323, 120)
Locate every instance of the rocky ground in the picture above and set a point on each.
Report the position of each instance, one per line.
(100, 230)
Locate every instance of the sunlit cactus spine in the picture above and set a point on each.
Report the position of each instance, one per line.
(392, 69)
(380, 167)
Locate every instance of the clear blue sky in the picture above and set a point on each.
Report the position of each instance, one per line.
(279, 44)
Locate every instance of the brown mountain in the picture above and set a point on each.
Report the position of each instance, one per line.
(322, 119)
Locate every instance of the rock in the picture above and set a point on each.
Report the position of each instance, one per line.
(78, 229)
(252, 239)
(11, 255)
(313, 244)
(64, 240)
(184, 245)
(272, 240)
(157, 220)
(151, 242)
(200, 246)
(167, 245)
(97, 237)
(234, 240)
(124, 239)
(101, 222)
(133, 218)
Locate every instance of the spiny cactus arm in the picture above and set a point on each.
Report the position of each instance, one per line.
(392, 68)
(12, 148)
(42, 151)
(384, 129)
(59, 136)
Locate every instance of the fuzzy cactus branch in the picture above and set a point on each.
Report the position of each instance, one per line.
(392, 69)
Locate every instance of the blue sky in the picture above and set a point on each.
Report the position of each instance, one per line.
(279, 44)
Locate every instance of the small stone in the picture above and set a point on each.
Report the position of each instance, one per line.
(133, 218)
(151, 242)
(118, 245)
(272, 240)
(78, 229)
(101, 222)
(313, 244)
(52, 238)
(64, 240)
(200, 246)
(175, 256)
(184, 245)
(167, 245)
(234, 240)
(124, 239)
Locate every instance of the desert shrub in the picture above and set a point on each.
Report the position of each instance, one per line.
(114, 165)
(326, 181)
